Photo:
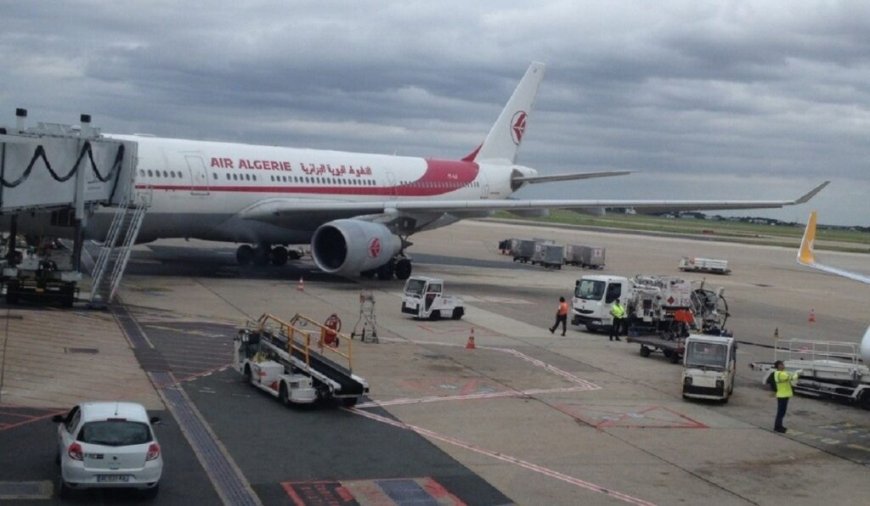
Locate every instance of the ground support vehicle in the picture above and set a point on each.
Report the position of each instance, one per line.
(830, 369)
(522, 250)
(108, 445)
(589, 257)
(699, 264)
(299, 362)
(549, 255)
(37, 279)
(424, 299)
(672, 347)
(709, 367)
(656, 305)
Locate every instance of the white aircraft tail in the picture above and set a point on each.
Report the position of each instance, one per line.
(503, 140)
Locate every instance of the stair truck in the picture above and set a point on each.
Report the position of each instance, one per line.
(298, 362)
(829, 369)
(661, 310)
(424, 298)
(709, 367)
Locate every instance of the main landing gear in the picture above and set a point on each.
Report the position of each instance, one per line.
(399, 266)
(265, 254)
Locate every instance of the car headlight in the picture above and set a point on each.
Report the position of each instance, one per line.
(687, 380)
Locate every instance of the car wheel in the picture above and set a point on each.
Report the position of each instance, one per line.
(284, 394)
(151, 493)
(63, 490)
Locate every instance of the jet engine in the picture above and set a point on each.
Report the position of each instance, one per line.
(348, 247)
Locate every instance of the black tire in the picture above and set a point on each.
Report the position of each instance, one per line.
(675, 358)
(247, 374)
(403, 269)
(435, 315)
(284, 394)
(279, 256)
(245, 255)
(668, 353)
(151, 493)
(349, 402)
(12, 293)
(64, 491)
(385, 272)
(644, 351)
(367, 274)
(458, 312)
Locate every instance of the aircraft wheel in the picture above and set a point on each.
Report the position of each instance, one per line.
(385, 272)
(244, 255)
(644, 351)
(279, 255)
(294, 254)
(367, 274)
(403, 269)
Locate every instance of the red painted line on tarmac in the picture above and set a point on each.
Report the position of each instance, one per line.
(31, 420)
(506, 458)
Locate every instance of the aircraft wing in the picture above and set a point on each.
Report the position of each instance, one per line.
(806, 256)
(568, 177)
(279, 210)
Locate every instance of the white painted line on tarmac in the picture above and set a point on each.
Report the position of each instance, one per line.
(506, 458)
(490, 395)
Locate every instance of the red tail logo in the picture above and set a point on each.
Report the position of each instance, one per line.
(518, 126)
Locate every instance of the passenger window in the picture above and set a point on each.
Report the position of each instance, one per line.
(72, 419)
(613, 292)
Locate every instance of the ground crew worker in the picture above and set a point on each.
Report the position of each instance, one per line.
(784, 381)
(618, 314)
(561, 316)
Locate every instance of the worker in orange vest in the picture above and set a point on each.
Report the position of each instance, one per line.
(561, 316)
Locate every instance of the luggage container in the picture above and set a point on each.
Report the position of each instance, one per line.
(590, 257)
(549, 255)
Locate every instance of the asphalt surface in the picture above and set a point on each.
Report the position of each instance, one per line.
(526, 418)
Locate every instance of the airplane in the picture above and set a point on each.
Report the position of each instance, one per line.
(356, 210)
(805, 256)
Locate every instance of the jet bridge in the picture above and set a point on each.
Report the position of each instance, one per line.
(52, 177)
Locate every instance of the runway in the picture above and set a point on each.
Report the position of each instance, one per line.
(526, 418)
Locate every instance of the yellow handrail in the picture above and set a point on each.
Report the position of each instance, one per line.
(292, 329)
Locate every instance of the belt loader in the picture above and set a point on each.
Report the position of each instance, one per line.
(289, 361)
(831, 369)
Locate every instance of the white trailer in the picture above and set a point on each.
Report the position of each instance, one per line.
(709, 367)
(831, 369)
(590, 257)
(424, 298)
(699, 264)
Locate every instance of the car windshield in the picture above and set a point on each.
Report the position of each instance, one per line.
(707, 355)
(589, 290)
(115, 433)
(415, 287)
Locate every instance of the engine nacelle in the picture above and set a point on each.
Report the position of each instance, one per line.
(348, 247)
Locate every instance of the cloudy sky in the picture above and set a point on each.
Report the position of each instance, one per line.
(726, 99)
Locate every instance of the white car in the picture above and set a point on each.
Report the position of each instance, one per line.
(108, 445)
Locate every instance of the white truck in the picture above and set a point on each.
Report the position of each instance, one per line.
(831, 369)
(424, 298)
(709, 367)
(699, 264)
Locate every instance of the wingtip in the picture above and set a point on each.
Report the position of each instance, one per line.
(812, 193)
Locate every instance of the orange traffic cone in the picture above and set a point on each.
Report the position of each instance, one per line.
(812, 318)
(301, 285)
(470, 344)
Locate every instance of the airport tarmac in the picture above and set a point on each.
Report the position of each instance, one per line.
(526, 418)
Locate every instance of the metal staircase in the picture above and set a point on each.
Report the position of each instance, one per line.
(113, 256)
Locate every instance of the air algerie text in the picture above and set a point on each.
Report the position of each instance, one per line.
(311, 169)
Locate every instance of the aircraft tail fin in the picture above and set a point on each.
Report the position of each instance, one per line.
(503, 140)
(805, 253)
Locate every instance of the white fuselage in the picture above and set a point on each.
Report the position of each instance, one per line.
(197, 189)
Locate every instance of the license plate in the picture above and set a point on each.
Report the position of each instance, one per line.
(113, 478)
